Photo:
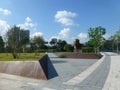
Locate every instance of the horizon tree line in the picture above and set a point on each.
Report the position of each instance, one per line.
(18, 40)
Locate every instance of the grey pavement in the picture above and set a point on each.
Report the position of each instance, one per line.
(52, 55)
(73, 74)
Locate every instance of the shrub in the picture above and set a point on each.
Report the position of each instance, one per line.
(87, 49)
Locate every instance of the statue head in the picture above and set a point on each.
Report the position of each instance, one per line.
(76, 44)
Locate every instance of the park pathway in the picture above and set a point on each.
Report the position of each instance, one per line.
(73, 74)
(52, 55)
(113, 78)
(103, 75)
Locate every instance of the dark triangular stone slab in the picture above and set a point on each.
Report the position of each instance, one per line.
(48, 67)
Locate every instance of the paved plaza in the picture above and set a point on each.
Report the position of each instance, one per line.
(73, 74)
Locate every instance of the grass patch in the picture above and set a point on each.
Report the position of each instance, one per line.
(62, 53)
(22, 57)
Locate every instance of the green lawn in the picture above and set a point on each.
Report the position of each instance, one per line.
(64, 52)
(23, 56)
(61, 53)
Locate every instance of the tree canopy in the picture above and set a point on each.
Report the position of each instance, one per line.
(16, 38)
(1, 44)
(96, 37)
(53, 41)
(37, 41)
(115, 41)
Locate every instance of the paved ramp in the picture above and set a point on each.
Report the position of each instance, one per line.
(52, 55)
(23, 68)
(41, 69)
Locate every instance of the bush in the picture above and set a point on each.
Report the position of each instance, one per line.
(68, 48)
(87, 49)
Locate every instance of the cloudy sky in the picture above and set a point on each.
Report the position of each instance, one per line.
(62, 19)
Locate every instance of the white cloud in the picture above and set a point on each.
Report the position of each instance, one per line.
(64, 33)
(65, 17)
(3, 27)
(5, 11)
(61, 14)
(106, 36)
(27, 24)
(83, 37)
(37, 34)
(66, 21)
(28, 19)
(53, 37)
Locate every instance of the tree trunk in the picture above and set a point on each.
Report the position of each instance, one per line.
(15, 55)
(95, 50)
(98, 52)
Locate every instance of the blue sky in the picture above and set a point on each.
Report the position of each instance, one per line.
(63, 19)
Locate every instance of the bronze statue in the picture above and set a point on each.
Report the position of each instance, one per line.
(77, 46)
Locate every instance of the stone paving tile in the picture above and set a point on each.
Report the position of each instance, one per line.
(113, 80)
(79, 78)
(98, 77)
(52, 55)
(71, 67)
(106, 76)
(66, 70)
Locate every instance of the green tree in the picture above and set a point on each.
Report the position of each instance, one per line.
(96, 37)
(1, 44)
(53, 41)
(24, 39)
(61, 44)
(16, 38)
(108, 45)
(116, 40)
(68, 47)
(37, 43)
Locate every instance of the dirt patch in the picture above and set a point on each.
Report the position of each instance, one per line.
(82, 56)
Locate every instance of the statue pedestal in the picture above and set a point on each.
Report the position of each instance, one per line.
(77, 51)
